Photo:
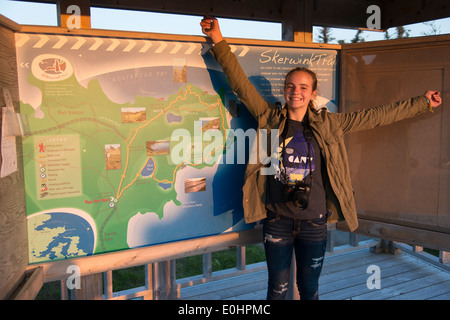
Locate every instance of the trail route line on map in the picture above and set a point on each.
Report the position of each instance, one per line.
(188, 90)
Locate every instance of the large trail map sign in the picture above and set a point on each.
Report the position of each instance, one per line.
(99, 165)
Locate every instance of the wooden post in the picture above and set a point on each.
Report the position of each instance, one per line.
(31, 286)
(108, 284)
(91, 287)
(149, 281)
(388, 247)
(241, 259)
(331, 229)
(297, 23)
(444, 257)
(353, 239)
(74, 14)
(164, 280)
(207, 266)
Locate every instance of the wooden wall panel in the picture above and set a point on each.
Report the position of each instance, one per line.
(13, 227)
(401, 172)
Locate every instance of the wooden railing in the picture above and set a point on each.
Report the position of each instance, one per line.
(160, 261)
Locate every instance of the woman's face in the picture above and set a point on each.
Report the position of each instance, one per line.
(298, 90)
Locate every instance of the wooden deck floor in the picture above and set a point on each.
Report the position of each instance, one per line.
(344, 276)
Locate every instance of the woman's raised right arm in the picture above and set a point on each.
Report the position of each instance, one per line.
(237, 78)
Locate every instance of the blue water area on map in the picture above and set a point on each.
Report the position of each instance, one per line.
(173, 118)
(165, 186)
(75, 226)
(148, 169)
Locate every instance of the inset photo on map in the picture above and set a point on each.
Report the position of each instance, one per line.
(112, 157)
(158, 147)
(179, 70)
(209, 124)
(133, 115)
(195, 185)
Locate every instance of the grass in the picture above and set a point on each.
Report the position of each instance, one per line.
(135, 277)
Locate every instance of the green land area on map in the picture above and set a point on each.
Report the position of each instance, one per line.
(109, 160)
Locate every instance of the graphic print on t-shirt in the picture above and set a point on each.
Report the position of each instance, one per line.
(298, 160)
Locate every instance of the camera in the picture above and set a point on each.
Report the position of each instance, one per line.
(298, 194)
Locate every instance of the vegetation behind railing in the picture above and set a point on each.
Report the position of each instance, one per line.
(164, 280)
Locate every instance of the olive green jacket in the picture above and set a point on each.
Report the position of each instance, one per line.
(328, 128)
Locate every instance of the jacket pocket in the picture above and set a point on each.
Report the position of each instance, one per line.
(334, 137)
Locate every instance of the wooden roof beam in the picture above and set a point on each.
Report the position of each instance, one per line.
(297, 22)
(296, 16)
(401, 12)
(262, 10)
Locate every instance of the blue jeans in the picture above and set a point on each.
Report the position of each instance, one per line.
(309, 239)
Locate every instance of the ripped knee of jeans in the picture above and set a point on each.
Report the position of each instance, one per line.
(316, 262)
(282, 288)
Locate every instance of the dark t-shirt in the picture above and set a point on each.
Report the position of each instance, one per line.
(299, 160)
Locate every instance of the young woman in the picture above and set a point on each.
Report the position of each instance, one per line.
(297, 200)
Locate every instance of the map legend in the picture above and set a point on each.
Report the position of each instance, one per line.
(58, 167)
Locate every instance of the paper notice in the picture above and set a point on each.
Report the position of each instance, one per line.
(8, 146)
